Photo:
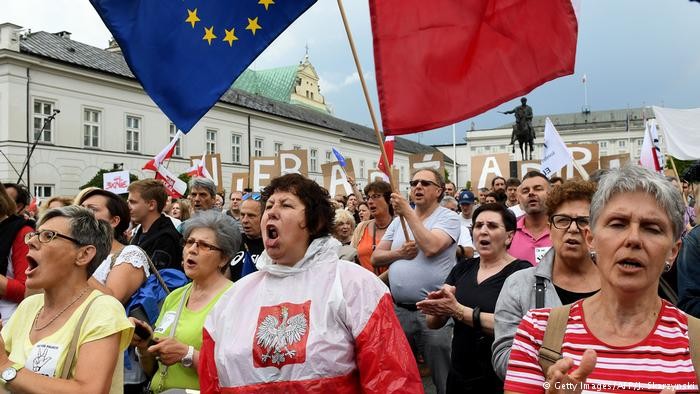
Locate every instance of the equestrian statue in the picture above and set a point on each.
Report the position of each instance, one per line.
(523, 131)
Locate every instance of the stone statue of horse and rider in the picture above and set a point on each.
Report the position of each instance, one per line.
(523, 131)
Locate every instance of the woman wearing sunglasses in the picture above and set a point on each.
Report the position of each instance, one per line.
(469, 297)
(211, 240)
(70, 338)
(565, 273)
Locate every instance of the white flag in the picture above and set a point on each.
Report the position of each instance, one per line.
(681, 129)
(556, 154)
(650, 155)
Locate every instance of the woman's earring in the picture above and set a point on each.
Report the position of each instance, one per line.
(594, 256)
(667, 266)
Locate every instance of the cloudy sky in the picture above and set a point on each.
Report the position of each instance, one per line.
(634, 53)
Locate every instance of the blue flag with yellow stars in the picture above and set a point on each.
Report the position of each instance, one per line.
(187, 53)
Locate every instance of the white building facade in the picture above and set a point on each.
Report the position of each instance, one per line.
(106, 121)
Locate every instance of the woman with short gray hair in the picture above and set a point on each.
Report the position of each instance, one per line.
(636, 221)
(211, 240)
(60, 333)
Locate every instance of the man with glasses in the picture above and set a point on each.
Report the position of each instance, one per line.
(156, 234)
(420, 265)
(531, 240)
(243, 263)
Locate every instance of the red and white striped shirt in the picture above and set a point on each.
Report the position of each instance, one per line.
(661, 360)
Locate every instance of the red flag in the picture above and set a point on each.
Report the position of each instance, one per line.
(389, 148)
(164, 154)
(440, 63)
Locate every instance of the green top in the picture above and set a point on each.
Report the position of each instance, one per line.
(189, 331)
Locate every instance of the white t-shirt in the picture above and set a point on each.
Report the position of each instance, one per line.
(131, 254)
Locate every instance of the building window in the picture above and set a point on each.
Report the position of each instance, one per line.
(402, 175)
(211, 141)
(236, 148)
(603, 144)
(362, 169)
(178, 145)
(297, 147)
(42, 110)
(278, 148)
(374, 164)
(328, 156)
(258, 147)
(133, 133)
(621, 144)
(313, 158)
(91, 127)
(43, 191)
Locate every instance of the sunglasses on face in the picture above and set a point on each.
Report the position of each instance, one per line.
(423, 182)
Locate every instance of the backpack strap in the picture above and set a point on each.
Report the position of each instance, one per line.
(114, 258)
(694, 339)
(539, 292)
(73, 347)
(550, 351)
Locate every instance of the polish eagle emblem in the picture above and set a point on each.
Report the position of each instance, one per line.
(278, 339)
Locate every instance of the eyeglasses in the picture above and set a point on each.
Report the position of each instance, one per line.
(489, 225)
(562, 222)
(201, 245)
(251, 196)
(375, 196)
(46, 236)
(423, 182)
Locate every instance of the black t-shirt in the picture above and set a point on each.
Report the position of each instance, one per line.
(255, 248)
(569, 297)
(471, 351)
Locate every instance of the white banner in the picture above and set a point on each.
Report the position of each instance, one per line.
(116, 182)
(681, 129)
(556, 154)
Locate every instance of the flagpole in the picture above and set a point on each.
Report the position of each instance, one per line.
(378, 134)
(454, 154)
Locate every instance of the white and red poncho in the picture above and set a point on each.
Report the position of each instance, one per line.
(322, 326)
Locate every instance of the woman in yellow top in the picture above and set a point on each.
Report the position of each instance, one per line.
(65, 250)
(211, 241)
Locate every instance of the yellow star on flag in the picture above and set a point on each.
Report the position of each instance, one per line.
(266, 3)
(192, 17)
(209, 34)
(230, 36)
(253, 25)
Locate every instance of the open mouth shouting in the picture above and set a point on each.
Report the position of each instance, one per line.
(271, 236)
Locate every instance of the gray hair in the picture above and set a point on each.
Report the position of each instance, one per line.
(440, 178)
(87, 230)
(227, 230)
(633, 178)
(203, 183)
(448, 200)
(343, 216)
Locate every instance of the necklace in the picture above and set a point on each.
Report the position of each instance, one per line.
(377, 227)
(82, 293)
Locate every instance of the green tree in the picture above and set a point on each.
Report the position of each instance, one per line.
(681, 165)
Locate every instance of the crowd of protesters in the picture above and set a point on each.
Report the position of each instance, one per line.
(524, 286)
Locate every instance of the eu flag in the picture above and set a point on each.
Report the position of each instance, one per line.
(186, 54)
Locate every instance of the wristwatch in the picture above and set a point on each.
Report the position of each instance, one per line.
(187, 361)
(10, 373)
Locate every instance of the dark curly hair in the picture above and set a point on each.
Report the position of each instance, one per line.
(569, 191)
(383, 188)
(319, 213)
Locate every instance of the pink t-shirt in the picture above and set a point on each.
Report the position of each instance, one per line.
(526, 247)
